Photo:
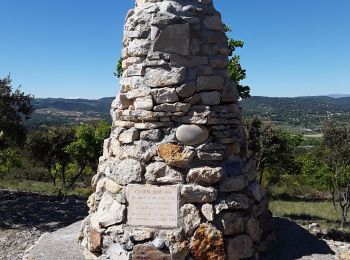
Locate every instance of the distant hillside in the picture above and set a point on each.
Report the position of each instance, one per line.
(54, 111)
(304, 112)
(309, 112)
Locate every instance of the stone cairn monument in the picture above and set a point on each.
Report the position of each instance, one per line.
(175, 180)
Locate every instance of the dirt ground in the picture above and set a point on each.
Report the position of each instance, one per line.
(24, 217)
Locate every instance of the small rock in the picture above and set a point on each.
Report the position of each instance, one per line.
(232, 201)
(159, 242)
(95, 241)
(117, 252)
(208, 212)
(314, 225)
(140, 235)
(112, 186)
(179, 250)
(210, 156)
(149, 252)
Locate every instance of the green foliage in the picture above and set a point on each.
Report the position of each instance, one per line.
(119, 70)
(15, 106)
(10, 158)
(68, 153)
(48, 147)
(87, 146)
(237, 74)
(315, 170)
(273, 150)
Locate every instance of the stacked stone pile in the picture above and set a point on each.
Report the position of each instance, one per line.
(176, 129)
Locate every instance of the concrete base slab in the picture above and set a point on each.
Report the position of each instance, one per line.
(59, 245)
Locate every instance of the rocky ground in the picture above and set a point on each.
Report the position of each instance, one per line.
(24, 217)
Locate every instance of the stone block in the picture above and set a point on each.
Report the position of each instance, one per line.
(173, 107)
(109, 211)
(190, 218)
(186, 90)
(173, 39)
(175, 155)
(213, 22)
(161, 173)
(193, 100)
(210, 98)
(160, 77)
(153, 135)
(210, 83)
(218, 62)
(198, 194)
(129, 136)
(230, 184)
(126, 171)
(165, 95)
(240, 247)
(231, 223)
(144, 103)
(208, 243)
(206, 174)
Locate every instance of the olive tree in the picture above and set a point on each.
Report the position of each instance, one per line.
(337, 155)
(15, 106)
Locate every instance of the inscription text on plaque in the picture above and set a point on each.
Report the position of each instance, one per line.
(153, 206)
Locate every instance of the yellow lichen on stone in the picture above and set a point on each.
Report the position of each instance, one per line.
(175, 155)
(208, 243)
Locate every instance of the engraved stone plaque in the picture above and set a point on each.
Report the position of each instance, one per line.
(153, 206)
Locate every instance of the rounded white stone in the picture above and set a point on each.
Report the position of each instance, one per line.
(159, 242)
(192, 134)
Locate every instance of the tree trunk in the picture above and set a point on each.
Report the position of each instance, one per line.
(343, 218)
(261, 175)
(63, 175)
(8, 169)
(82, 168)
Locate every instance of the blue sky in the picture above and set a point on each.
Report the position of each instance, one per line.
(69, 48)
